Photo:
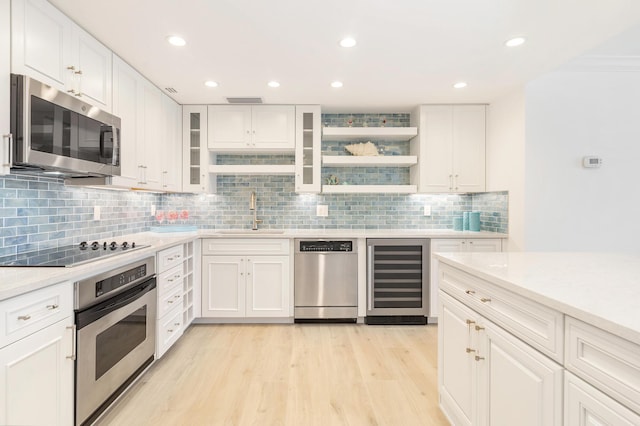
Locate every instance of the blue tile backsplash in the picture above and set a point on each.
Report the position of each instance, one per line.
(40, 212)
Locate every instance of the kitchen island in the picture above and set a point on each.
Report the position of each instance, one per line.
(539, 338)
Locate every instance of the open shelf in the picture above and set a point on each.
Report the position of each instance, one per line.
(364, 161)
(372, 189)
(369, 133)
(251, 169)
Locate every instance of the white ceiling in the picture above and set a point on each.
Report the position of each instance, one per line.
(409, 51)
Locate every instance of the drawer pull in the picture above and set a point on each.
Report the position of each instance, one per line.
(177, 324)
(169, 259)
(52, 307)
(170, 301)
(170, 330)
(176, 297)
(73, 342)
(170, 280)
(470, 292)
(479, 358)
(469, 350)
(485, 300)
(24, 317)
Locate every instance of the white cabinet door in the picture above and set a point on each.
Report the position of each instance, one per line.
(223, 286)
(5, 71)
(151, 154)
(469, 148)
(584, 405)
(442, 245)
(41, 42)
(229, 127)
(93, 61)
(457, 367)
(36, 378)
(273, 127)
(436, 133)
(171, 154)
(128, 95)
(195, 154)
(517, 384)
(308, 149)
(267, 286)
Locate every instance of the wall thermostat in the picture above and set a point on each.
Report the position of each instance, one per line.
(591, 161)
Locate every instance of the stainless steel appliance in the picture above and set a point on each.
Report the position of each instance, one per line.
(115, 338)
(326, 280)
(397, 281)
(58, 133)
(71, 255)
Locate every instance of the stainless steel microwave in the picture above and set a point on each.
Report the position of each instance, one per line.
(58, 133)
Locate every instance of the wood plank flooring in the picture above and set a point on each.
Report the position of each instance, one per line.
(302, 374)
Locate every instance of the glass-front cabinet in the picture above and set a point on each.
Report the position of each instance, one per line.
(195, 154)
(308, 149)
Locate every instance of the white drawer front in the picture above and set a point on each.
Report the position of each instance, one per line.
(584, 405)
(536, 324)
(245, 246)
(168, 258)
(23, 315)
(170, 279)
(170, 300)
(609, 362)
(170, 329)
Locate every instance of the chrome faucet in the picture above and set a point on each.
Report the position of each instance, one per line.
(253, 206)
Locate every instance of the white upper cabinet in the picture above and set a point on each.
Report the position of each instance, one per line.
(49, 47)
(195, 156)
(172, 152)
(452, 148)
(308, 149)
(5, 54)
(257, 128)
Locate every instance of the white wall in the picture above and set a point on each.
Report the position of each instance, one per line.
(506, 159)
(570, 208)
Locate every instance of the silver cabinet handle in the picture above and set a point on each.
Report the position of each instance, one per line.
(73, 342)
(9, 138)
(52, 307)
(24, 317)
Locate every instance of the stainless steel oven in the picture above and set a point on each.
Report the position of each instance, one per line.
(115, 320)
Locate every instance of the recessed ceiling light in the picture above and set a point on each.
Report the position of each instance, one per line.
(516, 41)
(348, 42)
(176, 40)
(273, 84)
(460, 85)
(336, 84)
(211, 83)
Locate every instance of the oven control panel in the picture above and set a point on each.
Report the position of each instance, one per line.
(116, 281)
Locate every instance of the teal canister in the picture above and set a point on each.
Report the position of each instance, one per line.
(465, 221)
(474, 221)
(457, 223)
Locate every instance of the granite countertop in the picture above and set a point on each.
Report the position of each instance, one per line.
(18, 280)
(601, 289)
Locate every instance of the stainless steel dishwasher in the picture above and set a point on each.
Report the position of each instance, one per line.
(326, 280)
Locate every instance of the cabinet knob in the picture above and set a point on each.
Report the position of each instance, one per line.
(469, 350)
(478, 358)
(469, 322)
(478, 328)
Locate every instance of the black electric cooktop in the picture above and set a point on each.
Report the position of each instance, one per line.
(71, 255)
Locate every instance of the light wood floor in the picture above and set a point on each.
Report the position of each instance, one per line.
(299, 374)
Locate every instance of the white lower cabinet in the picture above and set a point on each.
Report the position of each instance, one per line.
(584, 405)
(487, 376)
(37, 369)
(251, 281)
(455, 245)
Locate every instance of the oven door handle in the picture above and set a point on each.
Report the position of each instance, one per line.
(94, 313)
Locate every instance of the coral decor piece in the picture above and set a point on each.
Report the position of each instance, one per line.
(362, 149)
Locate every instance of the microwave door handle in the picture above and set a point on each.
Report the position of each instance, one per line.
(115, 158)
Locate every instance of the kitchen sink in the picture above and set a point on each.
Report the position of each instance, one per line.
(249, 231)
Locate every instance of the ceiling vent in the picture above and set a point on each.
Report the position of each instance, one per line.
(247, 100)
(170, 90)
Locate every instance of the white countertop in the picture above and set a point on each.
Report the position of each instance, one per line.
(602, 289)
(17, 280)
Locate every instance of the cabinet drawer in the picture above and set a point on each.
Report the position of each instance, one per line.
(169, 258)
(585, 405)
(245, 246)
(169, 330)
(170, 279)
(609, 362)
(169, 299)
(25, 314)
(534, 323)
